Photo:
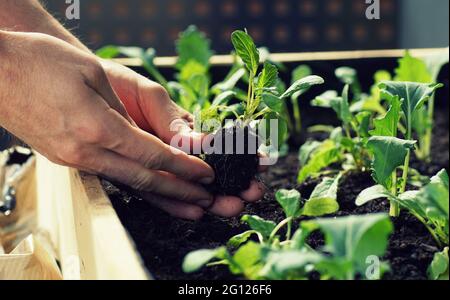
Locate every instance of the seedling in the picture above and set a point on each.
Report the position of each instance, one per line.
(346, 144)
(429, 205)
(262, 105)
(273, 257)
(192, 89)
(425, 70)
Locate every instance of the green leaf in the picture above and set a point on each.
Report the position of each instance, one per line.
(438, 269)
(289, 201)
(302, 84)
(323, 199)
(190, 69)
(197, 259)
(273, 102)
(441, 178)
(280, 264)
(259, 224)
(300, 72)
(223, 98)
(388, 124)
(435, 62)
(322, 157)
(268, 77)
(354, 238)
(388, 154)
(431, 206)
(306, 150)
(412, 69)
(230, 82)
(246, 50)
(413, 95)
(372, 193)
(108, 52)
(246, 260)
(346, 75)
(363, 119)
(340, 105)
(239, 239)
(193, 46)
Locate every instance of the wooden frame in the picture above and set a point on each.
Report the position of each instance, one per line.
(83, 227)
(79, 219)
(293, 57)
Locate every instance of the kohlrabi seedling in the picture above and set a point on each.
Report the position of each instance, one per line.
(261, 106)
(430, 205)
(270, 255)
(192, 88)
(426, 70)
(345, 145)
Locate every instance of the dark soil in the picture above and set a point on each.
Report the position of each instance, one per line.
(243, 165)
(163, 241)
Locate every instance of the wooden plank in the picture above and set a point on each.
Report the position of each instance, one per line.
(89, 239)
(294, 57)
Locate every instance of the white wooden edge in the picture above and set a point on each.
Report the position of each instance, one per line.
(295, 57)
(89, 239)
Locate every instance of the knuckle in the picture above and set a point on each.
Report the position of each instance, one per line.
(158, 92)
(96, 133)
(185, 195)
(156, 160)
(143, 182)
(73, 154)
(97, 70)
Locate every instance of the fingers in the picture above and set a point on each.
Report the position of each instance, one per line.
(152, 153)
(131, 173)
(227, 206)
(254, 193)
(164, 116)
(175, 208)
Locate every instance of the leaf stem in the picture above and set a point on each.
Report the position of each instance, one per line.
(278, 227)
(394, 210)
(297, 116)
(429, 131)
(405, 172)
(249, 96)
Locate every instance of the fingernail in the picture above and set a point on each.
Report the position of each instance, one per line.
(206, 180)
(205, 203)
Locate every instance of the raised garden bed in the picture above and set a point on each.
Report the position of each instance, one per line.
(164, 241)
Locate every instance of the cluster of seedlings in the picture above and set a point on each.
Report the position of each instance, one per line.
(379, 132)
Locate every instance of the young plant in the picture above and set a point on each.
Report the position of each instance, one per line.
(192, 89)
(412, 97)
(349, 241)
(430, 205)
(262, 105)
(299, 73)
(425, 70)
(346, 144)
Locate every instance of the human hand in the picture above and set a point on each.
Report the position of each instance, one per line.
(151, 108)
(58, 100)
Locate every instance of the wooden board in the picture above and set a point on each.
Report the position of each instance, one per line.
(294, 57)
(88, 237)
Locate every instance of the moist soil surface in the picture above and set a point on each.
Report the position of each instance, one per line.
(163, 241)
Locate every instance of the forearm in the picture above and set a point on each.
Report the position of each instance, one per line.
(6, 139)
(30, 16)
